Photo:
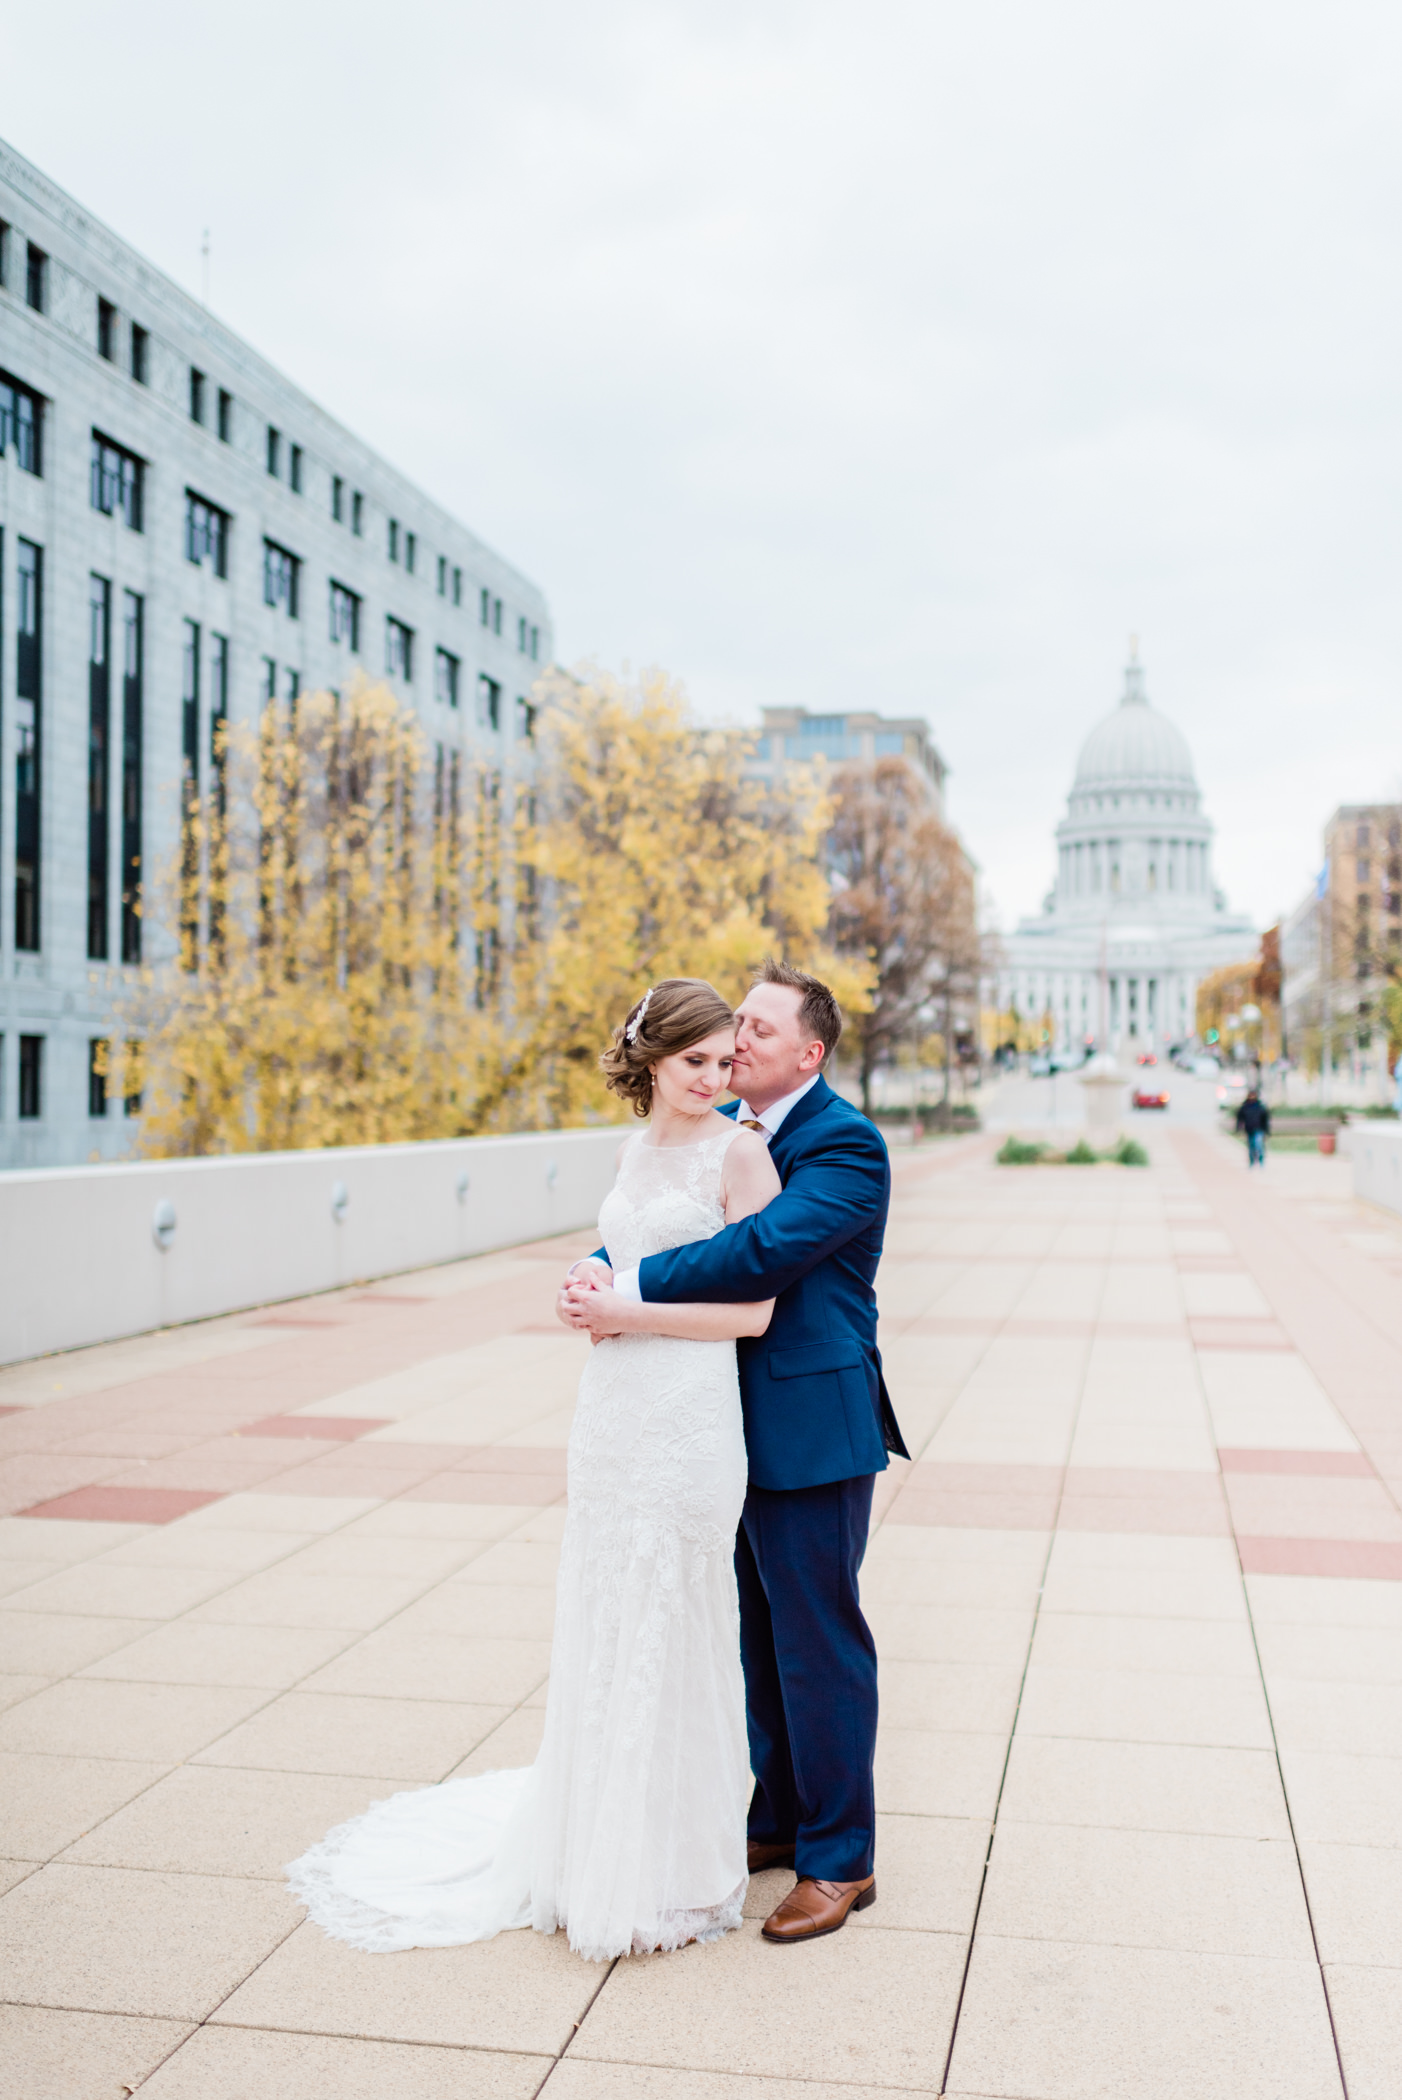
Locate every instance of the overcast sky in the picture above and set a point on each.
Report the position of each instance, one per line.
(905, 355)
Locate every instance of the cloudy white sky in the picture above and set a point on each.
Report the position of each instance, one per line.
(907, 355)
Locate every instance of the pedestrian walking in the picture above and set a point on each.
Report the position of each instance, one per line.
(1255, 1119)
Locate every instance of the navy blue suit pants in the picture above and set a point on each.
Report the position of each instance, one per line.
(810, 1674)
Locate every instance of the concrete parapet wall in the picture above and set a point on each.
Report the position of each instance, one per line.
(1376, 1152)
(82, 1260)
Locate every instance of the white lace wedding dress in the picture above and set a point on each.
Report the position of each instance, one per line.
(629, 1829)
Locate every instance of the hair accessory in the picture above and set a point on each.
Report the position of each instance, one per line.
(630, 1033)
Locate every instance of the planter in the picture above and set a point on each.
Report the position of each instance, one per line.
(1326, 1141)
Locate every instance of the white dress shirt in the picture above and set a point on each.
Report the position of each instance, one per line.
(626, 1283)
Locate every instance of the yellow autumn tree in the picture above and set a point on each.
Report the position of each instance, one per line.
(654, 853)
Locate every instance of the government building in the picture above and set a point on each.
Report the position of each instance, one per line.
(1134, 920)
(183, 534)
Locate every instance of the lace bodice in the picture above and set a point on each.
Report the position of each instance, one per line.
(665, 1196)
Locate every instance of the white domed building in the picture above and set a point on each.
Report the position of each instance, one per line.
(1135, 920)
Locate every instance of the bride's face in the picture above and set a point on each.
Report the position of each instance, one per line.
(691, 1081)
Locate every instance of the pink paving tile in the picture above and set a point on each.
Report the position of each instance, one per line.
(954, 1476)
(1291, 1506)
(511, 1458)
(1050, 1330)
(124, 1505)
(1168, 1516)
(1223, 1333)
(203, 1468)
(324, 1428)
(292, 1320)
(118, 1443)
(387, 1298)
(1208, 1265)
(13, 1410)
(932, 1324)
(1148, 1482)
(1317, 1463)
(31, 1479)
(975, 1512)
(1363, 1560)
(1141, 1331)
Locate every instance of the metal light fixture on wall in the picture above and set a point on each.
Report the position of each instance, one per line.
(163, 1223)
(340, 1201)
(552, 1174)
(461, 1187)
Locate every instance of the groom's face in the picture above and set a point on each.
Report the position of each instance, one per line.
(773, 1055)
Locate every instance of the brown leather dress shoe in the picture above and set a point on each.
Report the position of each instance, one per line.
(813, 1908)
(759, 1856)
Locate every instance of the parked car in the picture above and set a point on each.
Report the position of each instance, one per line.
(1039, 1067)
(1150, 1096)
(1146, 1057)
(1205, 1068)
(1067, 1060)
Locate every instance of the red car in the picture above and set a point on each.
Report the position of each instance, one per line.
(1148, 1058)
(1149, 1097)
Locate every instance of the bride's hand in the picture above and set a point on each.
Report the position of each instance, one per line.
(589, 1269)
(596, 1310)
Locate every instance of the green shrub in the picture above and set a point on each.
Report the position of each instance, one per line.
(1081, 1155)
(1130, 1153)
(1016, 1152)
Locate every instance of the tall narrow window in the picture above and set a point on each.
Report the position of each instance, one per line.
(488, 702)
(294, 470)
(399, 650)
(274, 450)
(535, 645)
(496, 616)
(226, 414)
(133, 652)
(28, 742)
(98, 1049)
(411, 546)
(218, 714)
(345, 616)
(197, 390)
(338, 499)
(457, 586)
(190, 796)
(206, 533)
(445, 678)
(116, 481)
(522, 633)
(106, 329)
(31, 1077)
(281, 578)
(486, 608)
(442, 575)
(358, 514)
(268, 690)
(21, 423)
(36, 284)
(393, 539)
(140, 353)
(99, 761)
(4, 253)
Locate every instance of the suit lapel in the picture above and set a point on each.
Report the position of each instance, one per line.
(813, 1103)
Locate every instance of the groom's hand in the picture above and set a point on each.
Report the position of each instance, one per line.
(567, 1303)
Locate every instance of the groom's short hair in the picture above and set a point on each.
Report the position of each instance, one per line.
(818, 1011)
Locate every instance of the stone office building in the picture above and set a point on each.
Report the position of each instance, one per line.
(182, 534)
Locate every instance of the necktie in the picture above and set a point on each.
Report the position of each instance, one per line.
(753, 1123)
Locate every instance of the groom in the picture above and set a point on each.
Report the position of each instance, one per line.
(818, 1426)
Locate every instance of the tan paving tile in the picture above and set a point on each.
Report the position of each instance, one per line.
(1139, 1888)
(1145, 1706)
(1144, 1786)
(1148, 1593)
(203, 1819)
(521, 1991)
(1367, 2008)
(226, 2063)
(910, 1632)
(955, 1585)
(102, 1590)
(1336, 1798)
(970, 1697)
(106, 1940)
(437, 1666)
(249, 1511)
(14, 1688)
(183, 1545)
(963, 1544)
(475, 1522)
(384, 1739)
(1355, 1896)
(1319, 1600)
(14, 1871)
(574, 2079)
(1055, 2022)
(1105, 1641)
(515, 1563)
(47, 1802)
(195, 1652)
(61, 1540)
(363, 1554)
(286, 1597)
(152, 1723)
(513, 1743)
(50, 1644)
(872, 2007)
(929, 1772)
(465, 1609)
(1365, 1719)
(20, 1575)
(53, 2055)
(1354, 1654)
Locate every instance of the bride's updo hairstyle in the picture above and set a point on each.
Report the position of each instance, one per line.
(671, 1016)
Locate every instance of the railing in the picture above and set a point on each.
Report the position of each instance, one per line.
(88, 1254)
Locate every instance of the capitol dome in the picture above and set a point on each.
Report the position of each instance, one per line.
(1135, 747)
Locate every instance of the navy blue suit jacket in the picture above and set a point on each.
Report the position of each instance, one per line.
(815, 1402)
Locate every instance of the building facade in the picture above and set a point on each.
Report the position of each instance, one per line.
(1134, 919)
(1342, 946)
(183, 534)
(790, 733)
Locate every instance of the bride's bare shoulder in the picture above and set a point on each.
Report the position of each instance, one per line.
(748, 1174)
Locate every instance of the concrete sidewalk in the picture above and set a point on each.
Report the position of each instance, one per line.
(1139, 1607)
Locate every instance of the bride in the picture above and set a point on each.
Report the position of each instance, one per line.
(629, 1829)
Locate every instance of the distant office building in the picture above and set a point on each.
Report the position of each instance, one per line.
(182, 535)
(790, 733)
(1135, 919)
(1341, 944)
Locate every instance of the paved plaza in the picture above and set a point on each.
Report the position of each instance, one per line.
(1139, 1608)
